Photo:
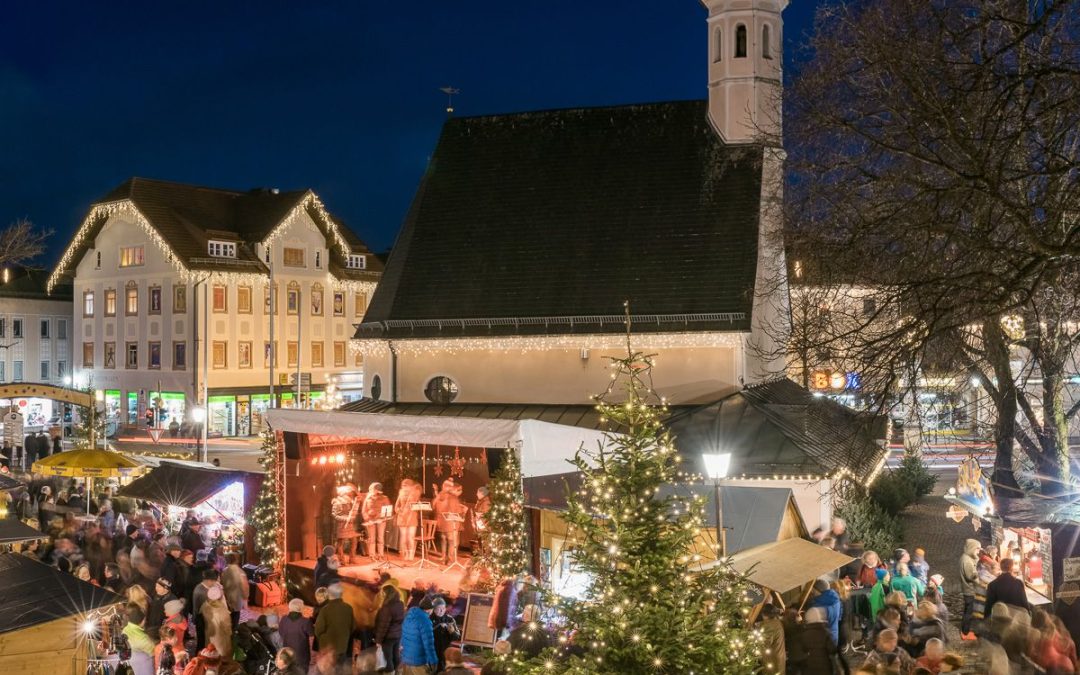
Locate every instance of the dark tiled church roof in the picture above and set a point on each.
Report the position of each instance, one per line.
(566, 214)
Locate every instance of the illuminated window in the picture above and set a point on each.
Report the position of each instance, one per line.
(88, 304)
(243, 299)
(179, 299)
(292, 353)
(132, 360)
(316, 300)
(317, 354)
(360, 304)
(155, 299)
(155, 355)
(339, 303)
(441, 390)
(292, 298)
(219, 354)
(110, 302)
(339, 354)
(221, 249)
(220, 299)
(243, 354)
(88, 355)
(131, 256)
(131, 304)
(293, 257)
(356, 261)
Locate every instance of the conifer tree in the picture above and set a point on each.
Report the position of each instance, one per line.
(506, 536)
(266, 514)
(650, 605)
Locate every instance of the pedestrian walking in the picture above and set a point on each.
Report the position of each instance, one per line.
(418, 640)
(334, 627)
(235, 583)
(969, 579)
(296, 632)
(388, 623)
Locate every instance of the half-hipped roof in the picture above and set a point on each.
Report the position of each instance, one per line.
(545, 222)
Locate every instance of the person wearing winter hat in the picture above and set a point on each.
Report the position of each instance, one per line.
(218, 625)
(207, 661)
(296, 632)
(331, 575)
(175, 618)
(155, 614)
(344, 513)
(827, 599)
(418, 640)
(374, 522)
(334, 627)
(878, 592)
(446, 629)
(320, 562)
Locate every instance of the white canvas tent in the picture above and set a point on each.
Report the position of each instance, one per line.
(546, 448)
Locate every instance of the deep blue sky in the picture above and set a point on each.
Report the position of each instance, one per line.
(341, 97)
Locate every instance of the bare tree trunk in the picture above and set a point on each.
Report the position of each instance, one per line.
(1003, 394)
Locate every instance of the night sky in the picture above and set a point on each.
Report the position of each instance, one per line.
(339, 97)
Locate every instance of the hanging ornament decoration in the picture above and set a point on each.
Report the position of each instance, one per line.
(438, 464)
(457, 464)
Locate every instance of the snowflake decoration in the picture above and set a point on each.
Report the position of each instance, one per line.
(457, 464)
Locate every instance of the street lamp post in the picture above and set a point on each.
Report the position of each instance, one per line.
(716, 468)
(198, 413)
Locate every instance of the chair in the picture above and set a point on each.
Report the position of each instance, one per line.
(427, 537)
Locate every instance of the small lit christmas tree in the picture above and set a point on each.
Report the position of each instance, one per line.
(651, 606)
(266, 515)
(506, 538)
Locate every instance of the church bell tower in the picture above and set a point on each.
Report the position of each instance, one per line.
(745, 69)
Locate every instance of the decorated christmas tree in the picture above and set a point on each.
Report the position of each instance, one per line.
(651, 605)
(266, 514)
(506, 537)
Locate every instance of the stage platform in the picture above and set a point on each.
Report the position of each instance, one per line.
(300, 573)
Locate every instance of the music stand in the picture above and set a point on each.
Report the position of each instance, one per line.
(453, 518)
(421, 507)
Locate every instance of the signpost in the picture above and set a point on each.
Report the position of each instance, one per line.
(13, 429)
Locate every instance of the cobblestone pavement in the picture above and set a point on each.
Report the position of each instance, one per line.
(927, 527)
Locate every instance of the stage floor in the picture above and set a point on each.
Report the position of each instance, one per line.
(447, 581)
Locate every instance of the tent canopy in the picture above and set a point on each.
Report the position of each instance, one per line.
(546, 448)
(9, 483)
(13, 530)
(784, 565)
(35, 593)
(182, 483)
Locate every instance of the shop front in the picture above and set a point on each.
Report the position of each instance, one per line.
(170, 407)
(112, 411)
(260, 403)
(221, 416)
(38, 413)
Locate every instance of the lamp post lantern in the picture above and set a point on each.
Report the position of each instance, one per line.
(716, 468)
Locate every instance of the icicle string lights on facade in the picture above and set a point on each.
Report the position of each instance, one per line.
(527, 343)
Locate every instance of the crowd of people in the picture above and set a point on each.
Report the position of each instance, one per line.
(888, 616)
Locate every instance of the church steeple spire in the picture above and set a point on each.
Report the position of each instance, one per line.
(745, 68)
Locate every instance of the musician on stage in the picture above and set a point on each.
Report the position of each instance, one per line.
(374, 522)
(448, 503)
(406, 519)
(480, 511)
(344, 508)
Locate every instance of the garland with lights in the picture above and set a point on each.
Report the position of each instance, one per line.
(506, 537)
(651, 605)
(267, 515)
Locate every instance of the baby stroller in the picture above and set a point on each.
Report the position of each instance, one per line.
(258, 653)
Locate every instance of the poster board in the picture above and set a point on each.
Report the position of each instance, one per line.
(476, 631)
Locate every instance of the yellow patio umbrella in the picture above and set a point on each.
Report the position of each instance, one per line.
(89, 464)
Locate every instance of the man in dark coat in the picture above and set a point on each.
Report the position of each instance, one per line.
(1006, 588)
(388, 626)
(334, 627)
(155, 614)
(30, 450)
(296, 632)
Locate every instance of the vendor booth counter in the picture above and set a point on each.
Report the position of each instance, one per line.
(219, 497)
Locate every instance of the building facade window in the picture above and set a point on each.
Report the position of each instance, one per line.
(292, 353)
(3, 373)
(61, 329)
(376, 387)
(292, 298)
(339, 354)
(221, 249)
(88, 355)
(131, 301)
(110, 354)
(132, 355)
(317, 354)
(243, 354)
(293, 257)
(61, 370)
(220, 299)
(16, 328)
(45, 328)
(356, 261)
(155, 299)
(339, 303)
(318, 260)
(740, 41)
(110, 302)
(45, 368)
(3, 327)
(316, 300)
(220, 354)
(243, 299)
(269, 354)
(88, 304)
(441, 390)
(97, 260)
(179, 299)
(131, 256)
(358, 359)
(268, 294)
(155, 355)
(360, 305)
(17, 371)
(766, 46)
(718, 54)
(179, 355)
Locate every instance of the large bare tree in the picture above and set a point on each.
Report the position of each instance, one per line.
(934, 156)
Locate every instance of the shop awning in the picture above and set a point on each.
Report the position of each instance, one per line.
(546, 447)
(13, 530)
(182, 484)
(784, 565)
(9, 483)
(35, 593)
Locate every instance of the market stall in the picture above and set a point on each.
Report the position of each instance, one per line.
(218, 497)
(49, 620)
(15, 532)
